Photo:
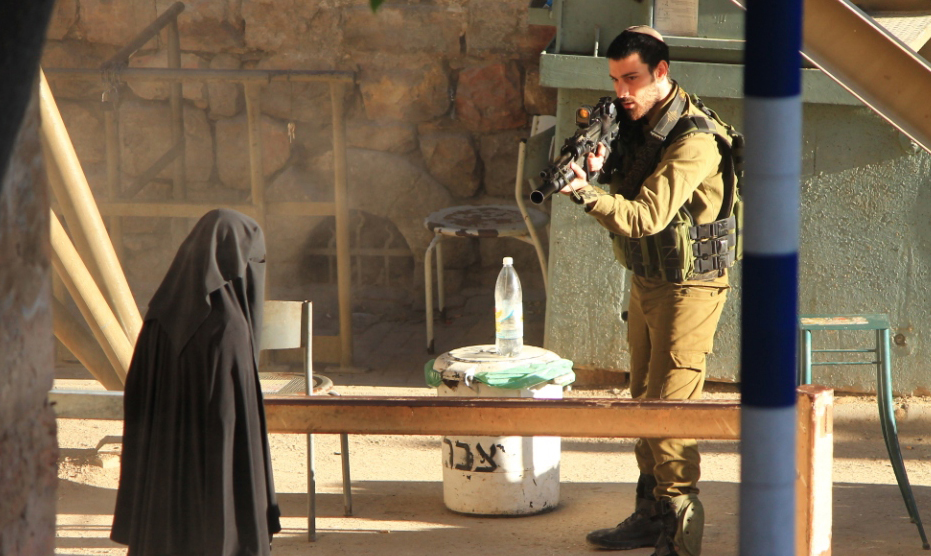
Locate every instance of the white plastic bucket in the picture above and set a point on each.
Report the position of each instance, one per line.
(497, 475)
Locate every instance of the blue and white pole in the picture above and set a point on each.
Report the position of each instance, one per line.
(773, 130)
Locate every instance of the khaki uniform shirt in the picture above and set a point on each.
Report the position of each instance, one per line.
(689, 173)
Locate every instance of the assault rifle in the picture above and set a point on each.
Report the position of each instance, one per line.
(596, 125)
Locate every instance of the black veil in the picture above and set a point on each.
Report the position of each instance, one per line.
(196, 473)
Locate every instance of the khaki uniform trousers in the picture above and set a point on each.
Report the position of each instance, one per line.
(671, 330)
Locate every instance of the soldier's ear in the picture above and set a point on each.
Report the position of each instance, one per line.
(661, 71)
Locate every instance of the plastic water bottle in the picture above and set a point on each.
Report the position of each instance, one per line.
(509, 311)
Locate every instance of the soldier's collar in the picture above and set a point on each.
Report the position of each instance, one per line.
(661, 123)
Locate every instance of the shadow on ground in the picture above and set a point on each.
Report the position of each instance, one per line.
(410, 518)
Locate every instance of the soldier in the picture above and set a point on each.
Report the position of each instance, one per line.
(670, 214)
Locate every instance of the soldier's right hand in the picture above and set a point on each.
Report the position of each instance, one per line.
(596, 160)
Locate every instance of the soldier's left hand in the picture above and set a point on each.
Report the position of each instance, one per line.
(580, 180)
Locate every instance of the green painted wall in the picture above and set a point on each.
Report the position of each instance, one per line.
(866, 247)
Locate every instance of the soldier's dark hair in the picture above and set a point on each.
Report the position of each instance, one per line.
(651, 50)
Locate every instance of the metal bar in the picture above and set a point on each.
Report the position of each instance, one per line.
(176, 210)
(347, 479)
(806, 356)
(195, 210)
(428, 288)
(111, 121)
(69, 212)
(901, 6)
(440, 282)
(843, 351)
(155, 169)
(177, 110)
(427, 415)
(519, 196)
(83, 345)
(848, 45)
(307, 345)
(86, 220)
(209, 75)
(362, 252)
(341, 197)
(144, 36)
(89, 300)
(493, 417)
(256, 172)
(815, 364)
(300, 208)
(890, 431)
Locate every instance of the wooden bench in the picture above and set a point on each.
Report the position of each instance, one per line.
(590, 417)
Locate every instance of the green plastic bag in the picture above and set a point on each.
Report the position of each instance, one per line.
(517, 378)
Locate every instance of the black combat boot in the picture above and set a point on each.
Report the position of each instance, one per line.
(640, 529)
(683, 523)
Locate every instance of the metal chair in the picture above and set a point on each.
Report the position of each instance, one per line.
(288, 325)
(879, 324)
(490, 221)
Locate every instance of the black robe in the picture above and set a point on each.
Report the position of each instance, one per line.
(196, 475)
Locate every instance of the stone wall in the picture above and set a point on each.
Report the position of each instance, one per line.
(444, 89)
(28, 447)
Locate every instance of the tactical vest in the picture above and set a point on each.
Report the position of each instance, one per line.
(683, 250)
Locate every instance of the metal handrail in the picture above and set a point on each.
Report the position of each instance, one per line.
(115, 71)
(212, 75)
(121, 58)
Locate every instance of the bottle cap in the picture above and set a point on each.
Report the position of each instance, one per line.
(508, 260)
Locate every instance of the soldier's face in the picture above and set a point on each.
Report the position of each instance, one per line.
(636, 87)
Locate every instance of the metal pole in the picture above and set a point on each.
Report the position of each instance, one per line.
(87, 221)
(519, 196)
(111, 122)
(68, 211)
(773, 125)
(177, 110)
(144, 36)
(210, 75)
(75, 337)
(176, 107)
(343, 267)
(89, 300)
(347, 480)
(254, 121)
(307, 343)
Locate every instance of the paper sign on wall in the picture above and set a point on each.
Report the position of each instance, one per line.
(676, 17)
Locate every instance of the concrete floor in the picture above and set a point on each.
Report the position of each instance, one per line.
(398, 485)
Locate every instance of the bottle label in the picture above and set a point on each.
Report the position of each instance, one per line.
(509, 323)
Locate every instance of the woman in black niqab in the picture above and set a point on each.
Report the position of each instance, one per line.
(196, 474)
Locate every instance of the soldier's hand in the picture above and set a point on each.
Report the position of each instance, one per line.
(580, 180)
(596, 160)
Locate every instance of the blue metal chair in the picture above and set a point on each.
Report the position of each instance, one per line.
(879, 324)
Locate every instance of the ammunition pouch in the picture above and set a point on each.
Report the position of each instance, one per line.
(685, 250)
(682, 251)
